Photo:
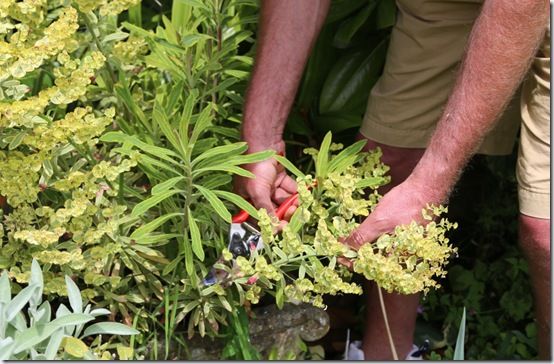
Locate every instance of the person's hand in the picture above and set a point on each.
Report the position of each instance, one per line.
(270, 187)
(401, 205)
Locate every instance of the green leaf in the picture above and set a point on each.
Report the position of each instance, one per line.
(459, 350)
(340, 9)
(119, 137)
(231, 169)
(350, 26)
(110, 328)
(186, 115)
(195, 237)
(166, 185)
(74, 295)
(289, 166)
(147, 204)
(74, 346)
(196, 4)
(280, 296)
(225, 303)
(223, 151)
(215, 202)
(160, 117)
(202, 122)
(344, 159)
(238, 201)
(322, 162)
(337, 121)
(124, 352)
(152, 225)
(372, 182)
(349, 82)
(17, 139)
(252, 157)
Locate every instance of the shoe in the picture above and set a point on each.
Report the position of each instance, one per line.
(355, 352)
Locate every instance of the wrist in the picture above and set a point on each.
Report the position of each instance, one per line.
(258, 143)
(432, 187)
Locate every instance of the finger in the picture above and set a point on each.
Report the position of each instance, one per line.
(280, 195)
(346, 262)
(285, 182)
(280, 227)
(289, 212)
(261, 198)
(362, 235)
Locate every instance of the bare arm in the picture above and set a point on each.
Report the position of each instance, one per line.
(288, 30)
(501, 46)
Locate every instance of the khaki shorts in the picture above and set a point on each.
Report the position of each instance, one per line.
(426, 46)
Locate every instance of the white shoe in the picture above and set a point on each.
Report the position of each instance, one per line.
(414, 354)
(355, 352)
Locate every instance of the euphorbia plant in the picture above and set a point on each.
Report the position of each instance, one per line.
(300, 263)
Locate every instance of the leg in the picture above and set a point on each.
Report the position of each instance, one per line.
(533, 175)
(534, 238)
(401, 309)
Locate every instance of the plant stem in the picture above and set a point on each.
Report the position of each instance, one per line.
(382, 302)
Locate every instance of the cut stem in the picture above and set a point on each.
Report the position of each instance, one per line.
(391, 342)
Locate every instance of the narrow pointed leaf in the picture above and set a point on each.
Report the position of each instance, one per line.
(215, 202)
(195, 237)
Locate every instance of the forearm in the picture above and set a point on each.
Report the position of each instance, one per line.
(502, 43)
(288, 30)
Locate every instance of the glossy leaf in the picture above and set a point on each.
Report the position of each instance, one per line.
(348, 84)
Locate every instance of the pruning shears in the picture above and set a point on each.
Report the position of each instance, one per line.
(245, 238)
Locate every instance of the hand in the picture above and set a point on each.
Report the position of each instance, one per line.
(270, 187)
(401, 205)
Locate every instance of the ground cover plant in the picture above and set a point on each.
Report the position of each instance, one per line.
(119, 139)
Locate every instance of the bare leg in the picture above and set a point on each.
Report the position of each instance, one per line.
(534, 238)
(401, 309)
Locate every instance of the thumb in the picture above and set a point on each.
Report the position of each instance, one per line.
(362, 235)
(261, 199)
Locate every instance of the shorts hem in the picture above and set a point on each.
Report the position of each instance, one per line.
(534, 204)
(370, 129)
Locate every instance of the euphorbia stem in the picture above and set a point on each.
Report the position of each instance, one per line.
(393, 349)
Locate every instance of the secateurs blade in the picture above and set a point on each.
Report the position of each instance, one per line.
(244, 238)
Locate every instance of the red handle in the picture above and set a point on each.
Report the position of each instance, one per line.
(280, 212)
(242, 215)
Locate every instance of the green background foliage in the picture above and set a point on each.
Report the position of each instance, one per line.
(119, 140)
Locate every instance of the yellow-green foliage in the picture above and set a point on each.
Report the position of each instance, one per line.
(300, 263)
(60, 188)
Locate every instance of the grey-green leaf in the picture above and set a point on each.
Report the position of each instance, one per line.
(459, 350)
(74, 295)
(110, 328)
